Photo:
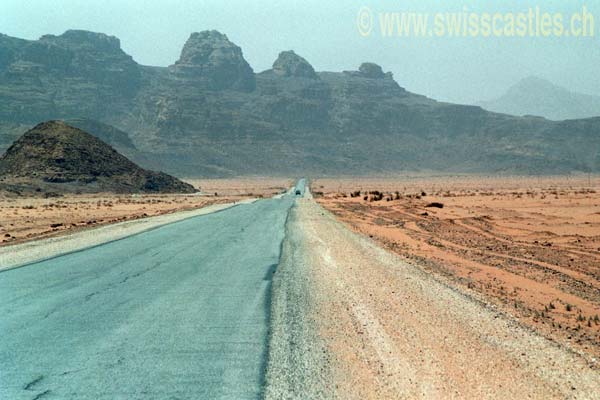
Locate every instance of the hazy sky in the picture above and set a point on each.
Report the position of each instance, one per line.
(326, 34)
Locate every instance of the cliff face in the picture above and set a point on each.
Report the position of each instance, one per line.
(210, 114)
(76, 74)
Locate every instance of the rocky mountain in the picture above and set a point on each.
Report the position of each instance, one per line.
(76, 74)
(210, 114)
(535, 96)
(109, 134)
(56, 157)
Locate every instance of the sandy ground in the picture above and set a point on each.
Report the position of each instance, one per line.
(24, 219)
(251, 187)
(442, 183)
(529, 246)
(373, 326)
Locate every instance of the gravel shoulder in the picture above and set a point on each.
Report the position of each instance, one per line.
(17, 255)
(353, 321)
(298, 364)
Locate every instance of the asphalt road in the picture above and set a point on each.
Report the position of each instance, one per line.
(180, 312)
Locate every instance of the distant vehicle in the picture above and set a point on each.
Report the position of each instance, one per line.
(298, 193)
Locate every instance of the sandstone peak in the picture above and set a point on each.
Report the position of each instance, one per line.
(81, 37)
(373, 71)
(211, 59)
(289, 64)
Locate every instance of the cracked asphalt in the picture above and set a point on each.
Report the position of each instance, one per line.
(181, 311)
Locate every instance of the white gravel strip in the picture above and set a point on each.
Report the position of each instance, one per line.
(298, 365)
(26, 253)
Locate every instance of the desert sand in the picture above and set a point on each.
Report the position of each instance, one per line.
(247, 186)
(28, 218)
(351, 320)
(530, 246)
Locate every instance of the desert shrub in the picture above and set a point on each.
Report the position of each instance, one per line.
(375, 195)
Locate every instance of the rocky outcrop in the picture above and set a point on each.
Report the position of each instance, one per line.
(77, 54)
(9, 132)
(76, 74)
(93, 41)
(211, 61)
(370, 71)
(55, 156)
(289, 64)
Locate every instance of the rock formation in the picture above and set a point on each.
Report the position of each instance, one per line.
(289, 64)
(209, 59)
(55, 156)
(209, 115)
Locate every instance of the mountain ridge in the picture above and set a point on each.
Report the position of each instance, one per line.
(536, 96)
(209, 114)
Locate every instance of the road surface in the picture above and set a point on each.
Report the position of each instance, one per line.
(185, 312)
(178, 312)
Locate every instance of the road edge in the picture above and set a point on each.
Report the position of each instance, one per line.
(297, 361)
(23, 254)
